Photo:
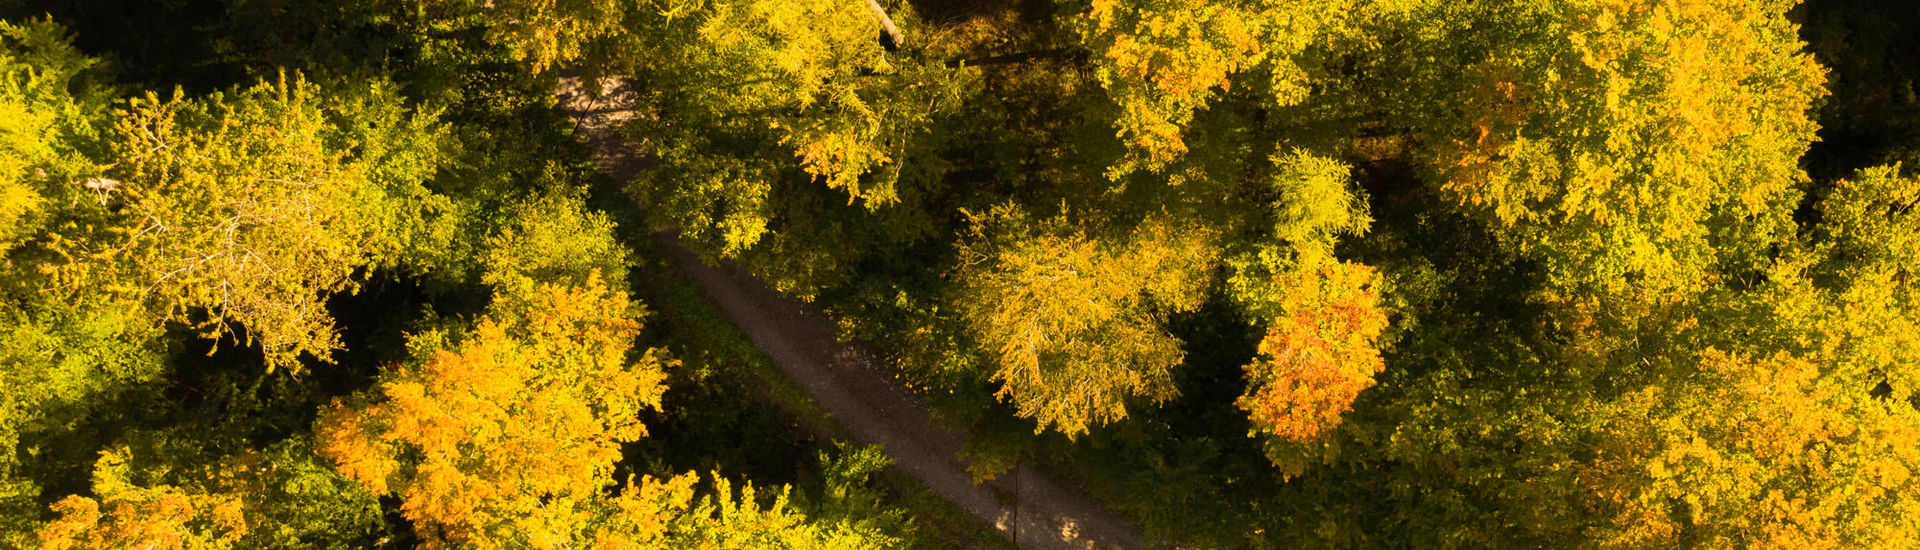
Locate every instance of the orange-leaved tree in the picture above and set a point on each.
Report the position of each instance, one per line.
(160, 518)
(509, 435)
(1319, 355)
(1323, 316)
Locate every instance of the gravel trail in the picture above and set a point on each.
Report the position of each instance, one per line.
(846, 380)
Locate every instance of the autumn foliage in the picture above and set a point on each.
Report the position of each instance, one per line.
(1260, 274)
(183, 272)
(505, 436)
(1161, 61)
(161, 518)
(1075, 325)
(1628, 137)
(1318, 357)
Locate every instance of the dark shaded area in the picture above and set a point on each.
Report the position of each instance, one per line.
(715, 416)
(715, 419)
(945, 11)
(375, 320)
(152, 44)
(1872, 48)
(202, 46)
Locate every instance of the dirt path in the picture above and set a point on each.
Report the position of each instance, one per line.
(847, 382)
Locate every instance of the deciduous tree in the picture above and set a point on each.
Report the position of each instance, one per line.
(504, 438)
(1073, 323)
(1624, 143)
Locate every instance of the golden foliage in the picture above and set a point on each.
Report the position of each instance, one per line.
(1794, 429)
(545, 33)
(1162, 60)
(504, 439)
(1644, 137)
(159, 518)
(744, 100)
(1870, 223)
(665, 514)
(1073, 323)
(644, 513)
(1319, 355)
(1772, 453)
(1497, 105)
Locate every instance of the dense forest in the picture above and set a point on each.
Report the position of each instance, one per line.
(1247, 273)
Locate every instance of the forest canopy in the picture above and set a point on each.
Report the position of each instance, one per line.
(1252, 274)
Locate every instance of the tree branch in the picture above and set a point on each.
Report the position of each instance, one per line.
(891, 39)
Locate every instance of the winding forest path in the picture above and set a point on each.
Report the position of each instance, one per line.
(844, 379)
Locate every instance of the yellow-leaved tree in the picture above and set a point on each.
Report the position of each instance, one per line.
(506, 435)
(1624, 143)
(1162, 60)
(1075, 324)
(247, 210)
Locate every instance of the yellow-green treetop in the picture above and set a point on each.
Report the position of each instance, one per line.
(666, 513)
(1867, 222)
(179, 489)
(246, 207)
(1075, 324)
(39, 118)
(1161, 60)
(544, 33)
(740, 97)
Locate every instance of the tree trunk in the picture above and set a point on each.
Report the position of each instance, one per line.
(890, 38)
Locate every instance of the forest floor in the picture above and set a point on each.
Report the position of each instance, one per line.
(848, 382)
